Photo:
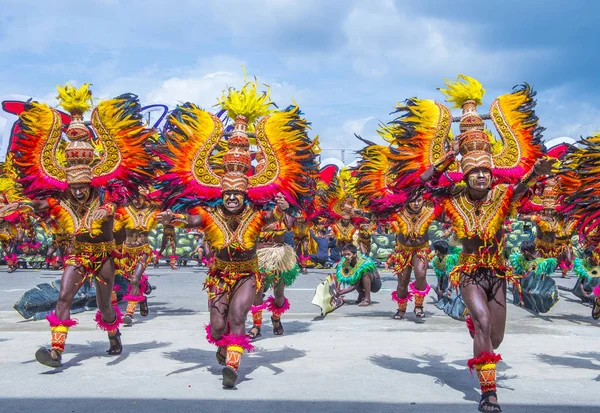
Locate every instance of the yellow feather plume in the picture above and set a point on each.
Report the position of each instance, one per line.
(75, 100)
(9, 187)
(465, 88)
(496, 144)
(247, 102)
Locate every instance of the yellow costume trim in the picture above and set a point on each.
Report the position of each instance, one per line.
(483, 219)
(89, 258)
(415, 225)
(403, 256)
(224, 275)
(469, 263)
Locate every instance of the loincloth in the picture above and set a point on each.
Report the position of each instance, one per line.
(224, 275)
(131, 257)
(403, 256)
(488, 270)
(89, 257)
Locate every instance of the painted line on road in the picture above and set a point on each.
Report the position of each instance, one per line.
(13, 290)
(313, 289)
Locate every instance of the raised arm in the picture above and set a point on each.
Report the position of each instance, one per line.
(541, 167)
(435, 170)
(278, 213)
(179, 220)
(24, 206)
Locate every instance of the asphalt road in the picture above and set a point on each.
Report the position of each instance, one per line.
(356, 359)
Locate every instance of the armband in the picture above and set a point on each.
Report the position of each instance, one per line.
(444, 162)
(24, 206)
(179, 220)
(278, 214)
(110, 208)
(529, 178)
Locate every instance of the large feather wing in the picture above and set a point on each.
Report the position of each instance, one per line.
(191, 135)
(419, 136)
(291, 166)
(514, 116)
(124, 163)
(374, 187)
(36, 148)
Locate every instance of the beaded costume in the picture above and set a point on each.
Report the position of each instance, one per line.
(53, 169)
(206, 160)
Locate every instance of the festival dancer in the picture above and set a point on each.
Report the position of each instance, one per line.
(138, 218)
(365, 236)
(412, 254)
(279, 268)
(82, 195)
(478, 198)
(374, 174)
(358, 272)
(580, 165)
(169, 240)
(301, 230)
(233, 227)
(10, 191)
(542, 205)
(536, 290)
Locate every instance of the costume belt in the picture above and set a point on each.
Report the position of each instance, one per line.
(93, 247)
(144, 248)
(411, 248)
(236, 266)
(544, 244)
(489, 260)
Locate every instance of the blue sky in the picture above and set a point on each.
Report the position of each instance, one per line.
(346, 63)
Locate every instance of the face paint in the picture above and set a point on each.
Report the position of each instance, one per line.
(416, 204)
(233, 202)
(480, 179)
(81, 192)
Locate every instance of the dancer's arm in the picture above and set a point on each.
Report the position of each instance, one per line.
(180, 220)
(541, 167)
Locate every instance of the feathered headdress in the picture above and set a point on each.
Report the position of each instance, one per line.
(420, 136)
(581, 165)
(286, 157)
(47, 163)
(551, 192)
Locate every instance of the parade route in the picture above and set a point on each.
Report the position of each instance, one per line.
(356, 359)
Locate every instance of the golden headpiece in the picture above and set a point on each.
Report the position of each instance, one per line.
(79, 153)
(236, 162)
(475, 146)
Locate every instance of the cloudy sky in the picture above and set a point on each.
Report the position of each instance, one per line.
(346, 63)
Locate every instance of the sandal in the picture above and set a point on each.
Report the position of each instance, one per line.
(419, 313)
(148, 288)
(399, 315)
(254, 333)
(229, 377)
(221, 358)
(144, 308)
(596, 309)
(44, 356)
(486, 406)
(277, 330)
(116, 347)
(364, 303)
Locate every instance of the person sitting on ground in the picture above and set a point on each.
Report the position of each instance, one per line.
(359, 273)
